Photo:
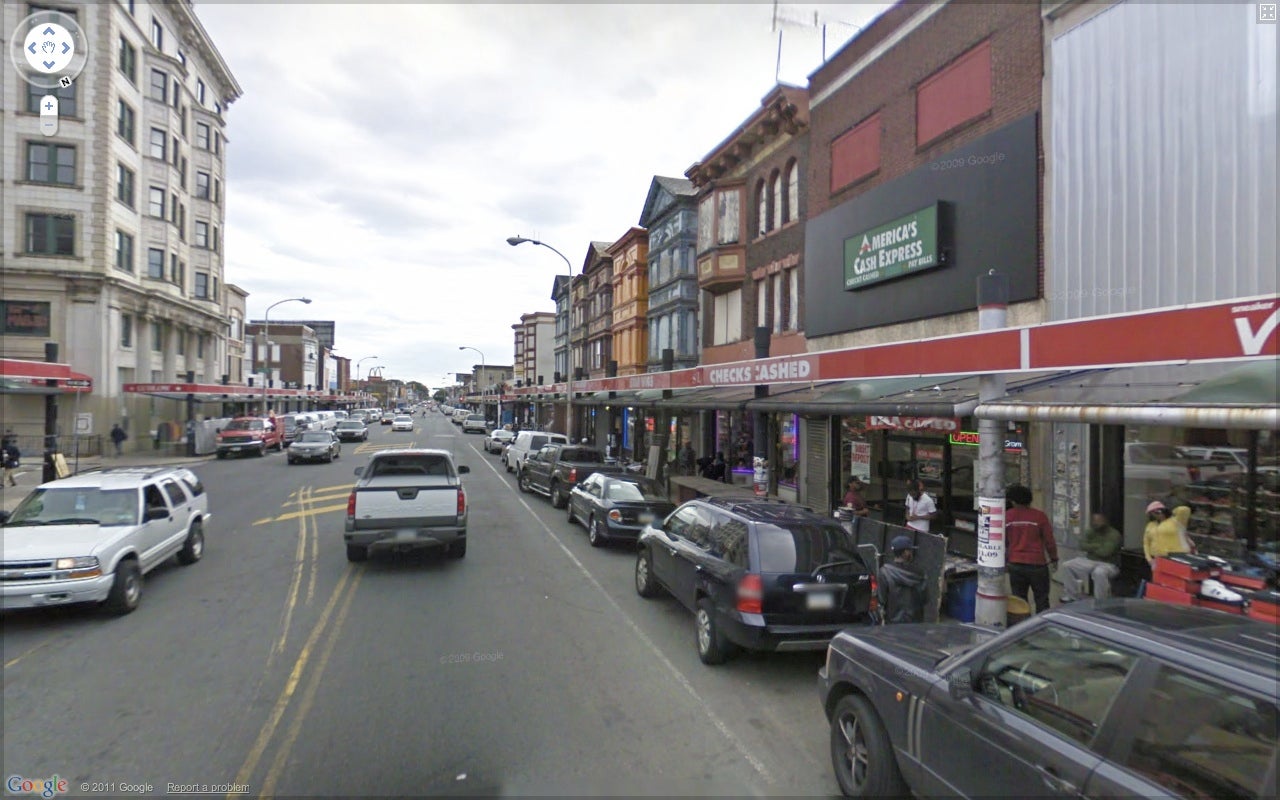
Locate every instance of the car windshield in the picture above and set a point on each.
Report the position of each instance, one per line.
(350, 423)
(77, 506)
(316, 436)
(634, 491)
(802, 547)
(475, 418)
(410, 465)
(404, 419)
(244, 425)
(1151, 452)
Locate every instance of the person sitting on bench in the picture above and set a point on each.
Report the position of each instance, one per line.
(1100, 549)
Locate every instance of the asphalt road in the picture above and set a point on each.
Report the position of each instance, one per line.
(529, 667)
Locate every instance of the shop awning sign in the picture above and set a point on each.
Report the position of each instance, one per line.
(906, 244)
(932, 424)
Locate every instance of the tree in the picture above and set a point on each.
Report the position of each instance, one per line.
(440, 396)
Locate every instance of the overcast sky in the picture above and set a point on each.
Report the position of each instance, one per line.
(381, 154)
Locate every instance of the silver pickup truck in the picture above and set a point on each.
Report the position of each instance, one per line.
(405, 500)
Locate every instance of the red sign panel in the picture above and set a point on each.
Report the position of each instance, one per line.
(939, 424)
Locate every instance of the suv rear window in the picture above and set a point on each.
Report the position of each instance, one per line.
(802, 547)
(410, 465)
(536, 442)
(581, 455)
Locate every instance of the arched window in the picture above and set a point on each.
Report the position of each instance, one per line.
(775, 182)
(793, 191)
(762, 209)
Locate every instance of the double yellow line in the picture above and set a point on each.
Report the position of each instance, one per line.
(305, 563)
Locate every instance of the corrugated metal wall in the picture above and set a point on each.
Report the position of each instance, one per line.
(1161, 159)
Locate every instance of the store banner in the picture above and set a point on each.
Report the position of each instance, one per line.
(991, 542)
(860, 461)
(907, 244)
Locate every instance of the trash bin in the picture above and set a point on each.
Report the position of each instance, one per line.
(1017, 610)
(962, 599)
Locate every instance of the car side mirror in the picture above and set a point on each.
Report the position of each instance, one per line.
(157, 513)
(463, 469)
(960, 683)
(359, 471)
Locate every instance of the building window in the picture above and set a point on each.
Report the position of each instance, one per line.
(855, 154)
(202, 234)
(706, 222)
(217, 143)
(762, 209)
(727, 216)
(762, 303)
(217, 109)
(182, 122)
(794, 294)
(179, 273)
(793, 192)
(177, 93)
(159, 144)
(126, 121)
(202, 136)
(159, 86)
(51, 234)
(155, 202)
(66, 99)
(202, 185)
(124, 184)
(51, 163)
(200, 345)
(954, 95)
(775, 183)
(726, 318)
(202, 286)
(182, 58)
(217, 190)
(199, 91)
(778, 303)
(180, 339)
(124, 251)
(127, 61)
(182, 172)
(176, 155)
(182, 222)
(157, 337)
(126, 330)
(155, 263)
(213, 239)
(157, 34)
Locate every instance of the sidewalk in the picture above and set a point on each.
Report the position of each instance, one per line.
(29, 475)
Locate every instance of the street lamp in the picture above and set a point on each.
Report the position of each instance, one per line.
(361, 361)
(482, 380)
(518, 240)
(266, 334)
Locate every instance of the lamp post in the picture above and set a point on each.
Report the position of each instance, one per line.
(518, 240)
(266, 334)
(482, 377)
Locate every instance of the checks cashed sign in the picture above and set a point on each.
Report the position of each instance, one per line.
(906, 244)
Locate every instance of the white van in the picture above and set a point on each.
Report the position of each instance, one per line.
(527, 442)
(328, 421)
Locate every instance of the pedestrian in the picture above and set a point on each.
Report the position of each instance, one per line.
(901, 584)
(719, 468)
(853, 497)
(1099, 557)
(688, 459)
(1166, 533)
(920, 507)
(12, 459)
(118, 437)
(1032, 551)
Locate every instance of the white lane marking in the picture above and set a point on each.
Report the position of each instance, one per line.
(720, 725)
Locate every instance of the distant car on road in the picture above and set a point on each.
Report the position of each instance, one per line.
(403, 422)
(388, 418)
(352, 430)
(474, 423)
(617, 506)
(315, 446)
(497, 440)
(255, 435)
(407, 499)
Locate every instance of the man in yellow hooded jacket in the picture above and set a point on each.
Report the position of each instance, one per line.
(1166, 532)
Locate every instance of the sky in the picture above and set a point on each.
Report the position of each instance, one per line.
(380, 155)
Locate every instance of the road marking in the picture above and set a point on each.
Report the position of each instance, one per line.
(715, 719)
(341, 487)
(308, 696)
(291, 598)
(304, 513)
(313, 567)
(291, 686)
(317, 496)
(13, 662)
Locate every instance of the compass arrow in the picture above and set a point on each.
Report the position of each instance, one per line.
(49, 32)
(65, 48)
(48, 64)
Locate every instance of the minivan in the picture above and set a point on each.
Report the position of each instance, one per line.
(527, 442)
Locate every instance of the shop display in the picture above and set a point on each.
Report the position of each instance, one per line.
(1219, 514)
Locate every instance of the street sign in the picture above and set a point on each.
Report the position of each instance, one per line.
(84, 423)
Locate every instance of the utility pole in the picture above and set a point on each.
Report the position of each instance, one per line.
(991, 608)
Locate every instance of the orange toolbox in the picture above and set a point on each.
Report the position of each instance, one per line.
(1165, 594)
(1218, 605)
(1181, 584)
(1185, 567)
(1243, 580)
(1265, 605)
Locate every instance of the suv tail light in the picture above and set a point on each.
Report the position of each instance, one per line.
(573, 475)
(875, 595)
(751, 594)
(462, 501)
(351, 506)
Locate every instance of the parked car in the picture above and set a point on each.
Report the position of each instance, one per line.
(1118, 698)
(617, 506)
(315, 446)
(527, 442)
(474, 423)
(388, 418)
(402, 422)
(557, 468)
(352, 430)
(253, 435)
(1233, 459)
(407, 499)
(90, 538)
(756, 575)
(459, 414)
(498, 439)
(290, 426)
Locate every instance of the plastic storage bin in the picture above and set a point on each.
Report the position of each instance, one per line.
(962, 599)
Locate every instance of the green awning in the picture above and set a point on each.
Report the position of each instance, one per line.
(1255, 384)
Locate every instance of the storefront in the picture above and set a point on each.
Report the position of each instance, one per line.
(25, 386)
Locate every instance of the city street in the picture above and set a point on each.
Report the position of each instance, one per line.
(273, 665)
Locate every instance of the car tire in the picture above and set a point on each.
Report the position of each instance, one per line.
(293, 461)
(126, 589)
(710, 642)
(458, 549)
(507, 464)
(646, 584)
(594, 536)
(522, 482)
(221, 455)
(357, 553)
(861, 753)
(558, 498)
(569, 505)
(193, 548)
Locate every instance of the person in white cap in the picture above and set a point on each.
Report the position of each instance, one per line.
(1165, 533)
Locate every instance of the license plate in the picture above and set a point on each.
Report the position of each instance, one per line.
(406, 533)
(645, 519)
(821, 601)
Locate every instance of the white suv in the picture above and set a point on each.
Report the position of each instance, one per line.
(91, 538)
(527, 442)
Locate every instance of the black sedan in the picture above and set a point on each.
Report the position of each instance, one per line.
(314, 446)
(352, 430)
(617, 507)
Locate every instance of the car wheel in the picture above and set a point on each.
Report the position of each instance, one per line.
(712, 647)
(569, 505)
(522, 481)
(221, 455)
(596, 536)
(507, 464)
(262, 451)
(338, 454)
(357, 553)
(126, 589)
(458, 549)
(861, 753)
(293, 461)
(558, 498)
(646, 585)
(193, 547)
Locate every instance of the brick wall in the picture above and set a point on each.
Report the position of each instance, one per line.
(781, 242)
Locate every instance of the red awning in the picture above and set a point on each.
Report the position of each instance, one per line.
(32, 377)
(219, 392)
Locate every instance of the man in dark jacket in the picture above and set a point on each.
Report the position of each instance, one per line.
(12, 459)
(901, 590)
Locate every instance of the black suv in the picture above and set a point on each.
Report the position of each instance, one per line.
(1125, 698)
(757, 575)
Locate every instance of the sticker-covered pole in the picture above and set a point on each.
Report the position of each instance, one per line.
(991, 608)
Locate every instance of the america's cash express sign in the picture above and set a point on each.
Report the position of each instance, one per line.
(906, 244)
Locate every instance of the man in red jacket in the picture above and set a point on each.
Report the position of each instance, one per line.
(1031, 547)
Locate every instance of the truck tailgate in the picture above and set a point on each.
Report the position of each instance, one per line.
(397, 501)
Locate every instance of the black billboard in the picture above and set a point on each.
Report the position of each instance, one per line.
(987, 200)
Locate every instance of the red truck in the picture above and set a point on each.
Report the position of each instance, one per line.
(249, 435)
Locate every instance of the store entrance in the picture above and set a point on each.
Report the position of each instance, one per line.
(907, 458)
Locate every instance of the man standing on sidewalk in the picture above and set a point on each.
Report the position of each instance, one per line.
(1032, 550)
(12, 460)
(117, 437)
